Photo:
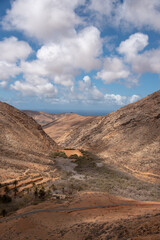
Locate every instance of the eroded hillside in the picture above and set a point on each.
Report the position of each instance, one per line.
(128, 138)
(58, 126)
(23, 143)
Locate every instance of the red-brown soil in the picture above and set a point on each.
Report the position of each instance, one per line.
(136, 222)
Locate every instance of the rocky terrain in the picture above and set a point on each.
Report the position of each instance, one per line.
(57, 126)
(121, 167)
(41, 117)
(23, 144)
(128, 138)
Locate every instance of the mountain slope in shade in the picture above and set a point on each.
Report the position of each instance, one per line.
(129, 137)
(23, 143)
(59, 125)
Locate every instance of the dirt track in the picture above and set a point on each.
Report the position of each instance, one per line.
(74, 209)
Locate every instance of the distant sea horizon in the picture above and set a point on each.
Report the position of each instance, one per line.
(82, 113)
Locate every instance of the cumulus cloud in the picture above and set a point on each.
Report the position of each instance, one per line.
(54, 19)
(11, 50)
(8, 70)
(135, 43)
(139, 14)
(130, 14)
(35, 86)
(81, 50)
(147, 61)
(43, 20)
(119, 100)
(113, 70)
(88, 90)
(62, 61)
(69, 46)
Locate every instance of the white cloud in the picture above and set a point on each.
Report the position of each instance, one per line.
(128, 14)
(81, 51)
(11, 50)
(44, 20)
(115, 99)
(88, 90)
(96, 94)
(139, 14)
(119, 100)
(35, 86)
(8, 70)
(147, 61)
(85, 84)
(62, 61)
(103, 7)
(69, 45)
(54, 19)
(3, 84)
(113, 70)
(133, 45)
(133, 98)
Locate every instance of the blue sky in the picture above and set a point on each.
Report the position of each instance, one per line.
(84, 56)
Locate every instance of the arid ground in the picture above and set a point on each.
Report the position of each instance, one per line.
(136, 222)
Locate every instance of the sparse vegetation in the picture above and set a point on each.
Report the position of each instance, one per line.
(41, 193)
(6, 199)
(4, 212)
(69, 148)
(6, 190)
(87, 161)
(15, 191)
(58, 154)
(74, 156)
(36, 192)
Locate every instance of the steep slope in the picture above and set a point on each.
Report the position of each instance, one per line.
(41, 117)
(59, 125)
(23, 143)
(129, 137)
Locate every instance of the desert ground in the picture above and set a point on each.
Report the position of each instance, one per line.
(95, 184)
(135, 222)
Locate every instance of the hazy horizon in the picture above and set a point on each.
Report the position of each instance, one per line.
(82, 113)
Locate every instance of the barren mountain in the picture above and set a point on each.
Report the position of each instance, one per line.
(57, 126)
(41, 117)
(129, 137)
(23, 143)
